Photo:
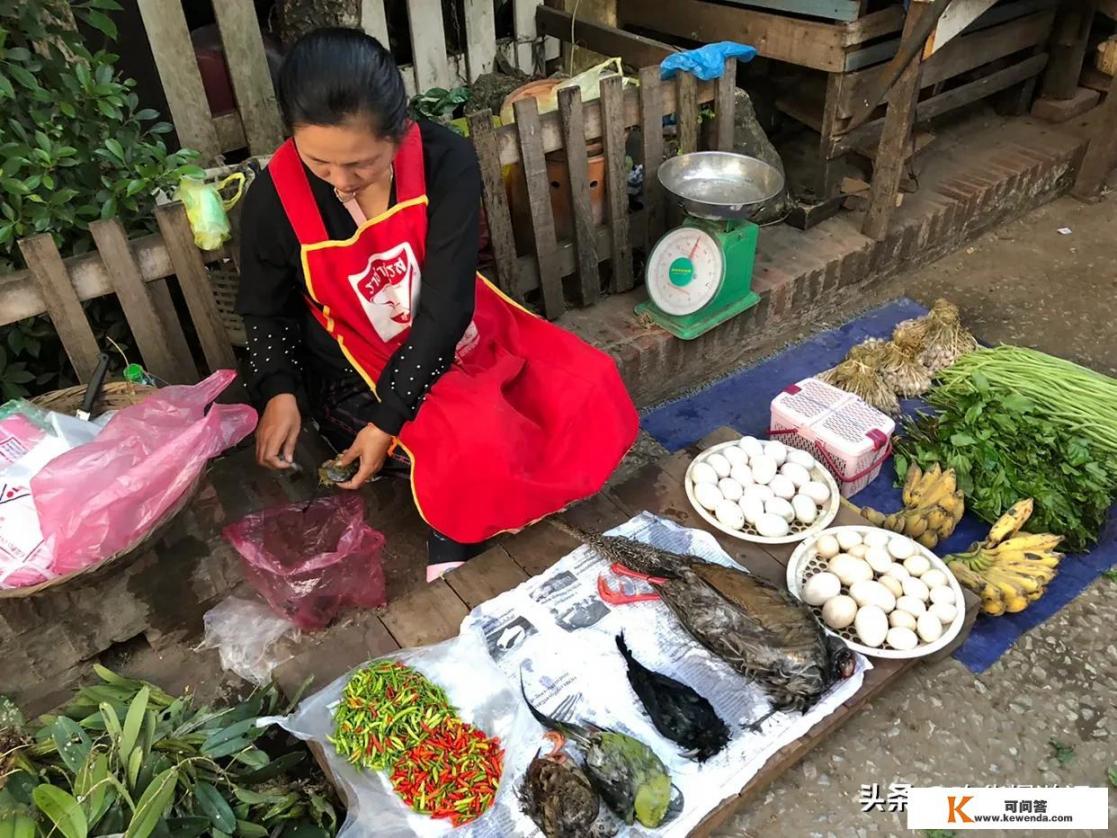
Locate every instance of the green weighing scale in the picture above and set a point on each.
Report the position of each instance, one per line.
(700, 274)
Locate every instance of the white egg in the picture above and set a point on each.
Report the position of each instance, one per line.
(878, 558)
(897, 570)
(777, 451)
(763, 469)
(804, 507)
(901, 639)
(730, 489)
(778, 506)
(917, 565)
(934, 578)
(877, 538)
(827, 546)
(868, 592)
(913, 605)
(782, 486)
(703, 473)
(800, 458)
(913, 587)
(900, 547)
(942, 594)
(871, 625)
(893, 585)
(849, 569)
(797, 473)
(719, 464)
(839, 612)
(928, 627)
(753, 507)
(848, 538)
(735, 455)
(902, 619)
(755, 490)
(817, 491)
(945, 612)
(821, 587)
(742, 474)
(730, 514)
(751, 446)
(771, 526)
(858, 550)
(708, 495)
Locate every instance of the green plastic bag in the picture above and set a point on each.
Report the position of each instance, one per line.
(207, 210)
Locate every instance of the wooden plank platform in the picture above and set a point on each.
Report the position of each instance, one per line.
(433, 613)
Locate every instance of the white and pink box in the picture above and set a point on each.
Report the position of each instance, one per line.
(849, 437)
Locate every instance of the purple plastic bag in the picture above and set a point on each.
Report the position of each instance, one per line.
(104, 497)
(310, 560)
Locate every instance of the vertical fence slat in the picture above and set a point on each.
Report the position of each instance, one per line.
(194, 282)
(651, 122)
(428, 44)
(62, 303)
(523, 24)
(686, 114)
(167, 33)
(374, 21)
(248, 68)
(725, 105)
(160, 291)
(496, 203)
(480, 37)
(577, 164)
(530, 136)
(616, 184)
(147, 327)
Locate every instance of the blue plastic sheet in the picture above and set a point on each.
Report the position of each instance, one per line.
(706, 62)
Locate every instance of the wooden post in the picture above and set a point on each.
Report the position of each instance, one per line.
(651, 124)
(495, 197)
(1100, 152)
(248, 68)
(480, 37)
(530, 137)
(428, 45)
(169, 38)
(725, 106)
(686, 113)
(896, 134)
(577, 164)
(374, 21)
(616, 184)
(1068, 48)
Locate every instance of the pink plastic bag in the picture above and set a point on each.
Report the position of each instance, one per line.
(104, 497)
(310, 560)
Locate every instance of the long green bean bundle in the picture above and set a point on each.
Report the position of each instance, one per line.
(1071, 395)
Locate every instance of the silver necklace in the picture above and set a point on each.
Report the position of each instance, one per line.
(344, 196)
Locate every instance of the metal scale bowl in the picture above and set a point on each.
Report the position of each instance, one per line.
(700, 274)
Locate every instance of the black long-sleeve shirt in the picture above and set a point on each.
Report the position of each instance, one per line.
(287, 345)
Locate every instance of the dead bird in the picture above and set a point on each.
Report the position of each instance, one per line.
(677, 711)
(630, 778)
(558, 796)
(758, 629)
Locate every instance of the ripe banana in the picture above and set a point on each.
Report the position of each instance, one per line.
(933, 506)
(1011, 522)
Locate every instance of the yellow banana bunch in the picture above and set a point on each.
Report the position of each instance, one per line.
(933, 506)
(1011, 568)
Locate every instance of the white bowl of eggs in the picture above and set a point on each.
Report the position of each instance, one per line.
(884, 594)
(762, 491)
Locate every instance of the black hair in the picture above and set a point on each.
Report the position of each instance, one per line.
(332, 75)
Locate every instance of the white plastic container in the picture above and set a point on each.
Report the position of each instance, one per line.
(850, 438)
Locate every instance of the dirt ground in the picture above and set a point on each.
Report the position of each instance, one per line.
(1024, 283)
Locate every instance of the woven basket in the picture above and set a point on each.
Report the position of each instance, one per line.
(114, 395)
(226, 283)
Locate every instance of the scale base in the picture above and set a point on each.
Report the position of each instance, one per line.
(693, 325)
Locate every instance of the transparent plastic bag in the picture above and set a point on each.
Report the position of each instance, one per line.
(104, 497)
(482, 696)
(207, 211)
(245, 632)
(310, 560)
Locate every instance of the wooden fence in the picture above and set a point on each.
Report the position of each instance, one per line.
(256, 123)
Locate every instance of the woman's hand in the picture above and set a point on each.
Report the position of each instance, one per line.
(371, 447)
(278, 432)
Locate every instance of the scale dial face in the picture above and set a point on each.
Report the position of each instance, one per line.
(684, 270)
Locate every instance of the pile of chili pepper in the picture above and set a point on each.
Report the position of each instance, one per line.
(391, 716)
(386, 709)
(452, 774)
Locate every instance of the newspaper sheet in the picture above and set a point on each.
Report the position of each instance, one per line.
(555, 632)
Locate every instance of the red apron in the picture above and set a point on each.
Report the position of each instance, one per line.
(527, 420)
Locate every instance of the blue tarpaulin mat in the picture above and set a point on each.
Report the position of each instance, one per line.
(742, 401)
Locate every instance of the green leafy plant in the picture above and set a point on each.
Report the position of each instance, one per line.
(1112, 775)
(1062, 752)
(1110, 574)
(125, 757)
(439, 104)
